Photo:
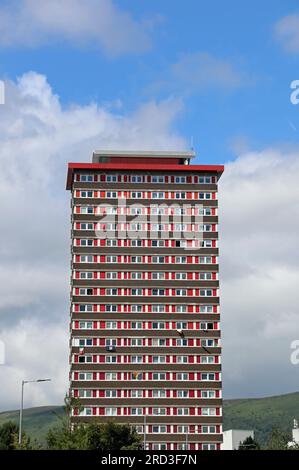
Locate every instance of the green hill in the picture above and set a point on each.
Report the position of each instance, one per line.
(260, 414)
(36, 421)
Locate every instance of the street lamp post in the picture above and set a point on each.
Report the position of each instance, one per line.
(22, 403)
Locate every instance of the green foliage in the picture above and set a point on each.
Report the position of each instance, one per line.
(7, 432)
(91, 436)
(249, 444)
(278, 440)
(9, 438)
(63, 438)
(112, 436)
(102, 437)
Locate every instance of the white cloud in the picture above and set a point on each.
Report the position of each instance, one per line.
(38, 138)
(34, 350)
(287, 31)
(201, 70)
(259, 272)
(97, 23)
(197, 72)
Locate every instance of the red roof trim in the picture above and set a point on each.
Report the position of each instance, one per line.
(142, 167)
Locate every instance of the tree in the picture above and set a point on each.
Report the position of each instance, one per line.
(249, 444)
(112, 436)
(9, 437)
(92, 436)
(7, 432)
(102, 437)
(63, 436)
(278, 440)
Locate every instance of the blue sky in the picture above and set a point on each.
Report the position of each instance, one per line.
(86, 74)
(254, 111)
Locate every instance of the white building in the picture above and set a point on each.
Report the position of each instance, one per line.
(233, 437)
(295, 435)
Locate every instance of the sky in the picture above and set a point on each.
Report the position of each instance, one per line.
(214, 76)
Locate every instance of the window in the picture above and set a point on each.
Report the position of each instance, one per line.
(111, 308)
(86, 194)
(86, 210)
(111, 275)
(159, 411)
(182, 359)
(111, 194)
(136, 359)
(83, 376)
(159, 376)
(136, 308)
(208, 342)
(85, 325)
(183, 411)
(136, 393)
(110, 411)
(85, 342)
(136, 275)
(136, 411)
(159, 359)
(207, 359)
(111, 178)
(182, 429)
(158, 308)
(181, 276)
(208, 394)
(136, 195)
(86, 259)
(110, 376)
(159, 292)
(182, 376)
(209, 377)
(157, 179)
(208, 411)
(136, 342)
(159, 276)
(181, 342)
(111, 325)
(136, 179)
(137, 292)
(158, 325)
(159, 393)
(136, 243)
(111, 359)
(85, 307)
(86, 275)
(110, 393)
(111, 242)
(182, 393)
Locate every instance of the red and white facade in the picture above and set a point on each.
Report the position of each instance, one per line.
(145, 331)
